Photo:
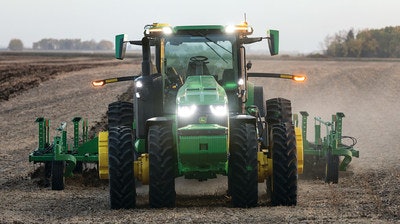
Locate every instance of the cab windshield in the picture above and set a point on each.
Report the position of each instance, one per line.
(199, 55)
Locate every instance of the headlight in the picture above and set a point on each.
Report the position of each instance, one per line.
(186, 111)
(219, 110)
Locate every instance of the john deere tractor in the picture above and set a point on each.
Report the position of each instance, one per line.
(196, 115)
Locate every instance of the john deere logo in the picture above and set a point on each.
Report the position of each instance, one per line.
(202, 120)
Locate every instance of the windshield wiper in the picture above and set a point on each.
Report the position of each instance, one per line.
(207, 38)
(216, 52)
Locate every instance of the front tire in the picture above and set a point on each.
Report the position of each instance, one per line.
(162, 166)
(242, 170)
(121, 176)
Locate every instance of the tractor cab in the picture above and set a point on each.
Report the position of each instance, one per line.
(208, 50)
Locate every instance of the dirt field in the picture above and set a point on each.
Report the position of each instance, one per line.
(58, 87)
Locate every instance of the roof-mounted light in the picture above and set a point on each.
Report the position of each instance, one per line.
(167, 30)
(157, 29)
(230, 29)
(242, 28)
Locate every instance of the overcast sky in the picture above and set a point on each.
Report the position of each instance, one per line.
(303, 24)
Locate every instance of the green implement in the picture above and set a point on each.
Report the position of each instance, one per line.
(329, 149)
(61, 158)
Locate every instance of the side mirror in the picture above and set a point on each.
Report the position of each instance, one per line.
(120, 46)
(273, 41)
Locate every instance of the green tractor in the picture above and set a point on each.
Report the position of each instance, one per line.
(196, 115)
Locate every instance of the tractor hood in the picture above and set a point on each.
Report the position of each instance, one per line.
(201, 90)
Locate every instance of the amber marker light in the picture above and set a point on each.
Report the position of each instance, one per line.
(98, 83)
(299, 78)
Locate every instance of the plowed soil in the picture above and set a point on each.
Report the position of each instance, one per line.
(58, 87)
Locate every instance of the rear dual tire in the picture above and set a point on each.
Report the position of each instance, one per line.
(120, 114)
(282, 185)
(121, 155)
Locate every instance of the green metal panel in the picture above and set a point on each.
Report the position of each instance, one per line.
(89, 148)
(274, 41)
(120, 46)
(43, 132)
(250, 94)
(76, 132)
(304, 116)
(202, 148)
(201, 90)
(39, 158)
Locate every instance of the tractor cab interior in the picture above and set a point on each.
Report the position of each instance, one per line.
(198, 66)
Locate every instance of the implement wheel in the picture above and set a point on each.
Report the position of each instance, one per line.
(283, 184)
(120, 161)
(47, 169)
(162, 166)
(57, 175)
(78, 167)
(332, 168)
(314, 167)
(242, 170)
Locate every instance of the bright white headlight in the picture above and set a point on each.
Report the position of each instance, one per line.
(167, 30)
(186, 111)
(219, 110)
(230, 29)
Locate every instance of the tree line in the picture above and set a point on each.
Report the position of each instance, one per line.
(71, 44)
(63, 44)
(380, 43)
